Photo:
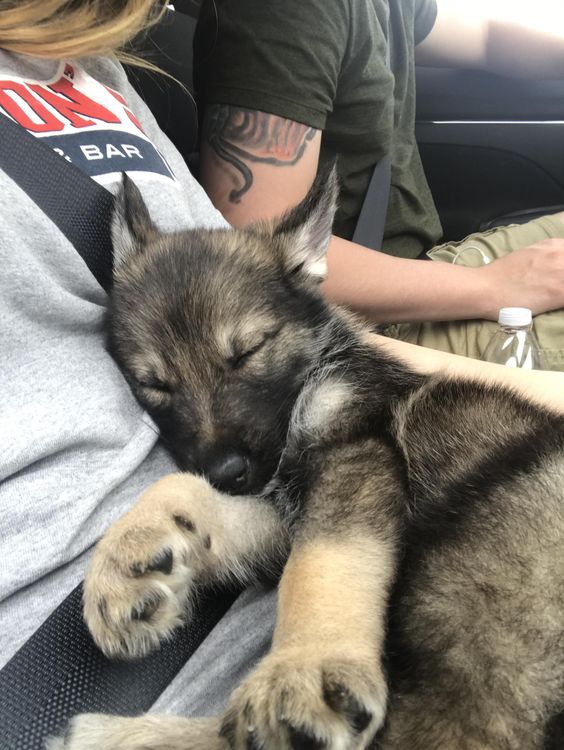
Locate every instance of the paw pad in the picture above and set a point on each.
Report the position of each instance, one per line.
(162, 563)
(184, 523)
(300, 740)
(342, 701)
(146, 609)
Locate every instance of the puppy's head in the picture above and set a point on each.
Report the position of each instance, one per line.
(216, 330)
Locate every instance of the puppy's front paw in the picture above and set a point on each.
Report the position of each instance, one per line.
(297, 700)
(143, 574)
(101, 732)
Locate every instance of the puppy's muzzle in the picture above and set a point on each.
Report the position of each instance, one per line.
(231, 473)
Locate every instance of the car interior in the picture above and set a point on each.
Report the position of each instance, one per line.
(493, 152)
(491, 146)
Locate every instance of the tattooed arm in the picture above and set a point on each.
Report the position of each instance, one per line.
(242, 151)
(257, 165)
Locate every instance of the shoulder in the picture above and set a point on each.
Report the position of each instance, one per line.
(425, 17)
(251, 13)
(249, 28)
(280, 57)
(106, 70)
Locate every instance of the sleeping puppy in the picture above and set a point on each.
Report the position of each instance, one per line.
(420, 521)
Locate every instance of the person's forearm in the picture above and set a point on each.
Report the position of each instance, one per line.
(389, 289)
(520, 40)
(519, 51)
(544, 388)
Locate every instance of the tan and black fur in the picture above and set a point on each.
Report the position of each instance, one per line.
(422, 599)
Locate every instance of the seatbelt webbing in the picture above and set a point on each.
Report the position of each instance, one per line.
(59, 672)
(73, 201)
(371, 221)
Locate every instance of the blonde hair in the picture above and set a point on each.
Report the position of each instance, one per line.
(61, 29)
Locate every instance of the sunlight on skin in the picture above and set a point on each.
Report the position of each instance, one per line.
(543, 15)
(514, 38)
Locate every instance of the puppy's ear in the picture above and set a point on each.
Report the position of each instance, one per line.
(132, 228)
(306, 230)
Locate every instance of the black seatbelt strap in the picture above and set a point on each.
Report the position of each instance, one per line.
(59, 673)
(73, 201)
(371, 221)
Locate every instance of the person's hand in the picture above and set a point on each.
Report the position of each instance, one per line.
(532, 277)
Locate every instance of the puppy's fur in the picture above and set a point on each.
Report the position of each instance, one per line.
(423, 596)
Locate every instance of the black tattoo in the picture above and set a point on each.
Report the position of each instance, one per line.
(240, 135)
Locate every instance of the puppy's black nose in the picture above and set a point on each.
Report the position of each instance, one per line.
(229, 473)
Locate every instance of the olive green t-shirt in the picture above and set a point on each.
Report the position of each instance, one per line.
(323, 63)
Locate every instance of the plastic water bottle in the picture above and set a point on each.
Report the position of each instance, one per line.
(514, 344)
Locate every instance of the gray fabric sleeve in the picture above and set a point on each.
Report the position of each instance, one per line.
(111, 73)
(425, 17)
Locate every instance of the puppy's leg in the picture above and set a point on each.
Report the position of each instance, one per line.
(100, 732)
(181, 534)
(322, 686)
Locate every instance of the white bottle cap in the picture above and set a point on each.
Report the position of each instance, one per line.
(515, 316)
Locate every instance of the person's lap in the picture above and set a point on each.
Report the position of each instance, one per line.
(471, 337)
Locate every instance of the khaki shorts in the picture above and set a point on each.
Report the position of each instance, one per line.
(470, 337)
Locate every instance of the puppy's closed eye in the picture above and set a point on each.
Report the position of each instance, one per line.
(243, 353)
(152, 383)
(155, 384)
(238, 360)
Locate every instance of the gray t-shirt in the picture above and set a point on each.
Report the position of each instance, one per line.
(76, 449)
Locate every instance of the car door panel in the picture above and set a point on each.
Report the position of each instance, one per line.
(490, 146)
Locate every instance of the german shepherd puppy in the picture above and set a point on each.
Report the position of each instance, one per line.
(421, 606)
